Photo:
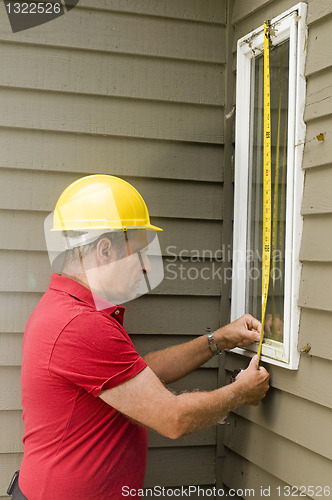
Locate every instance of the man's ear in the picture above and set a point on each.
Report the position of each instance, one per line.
(104, 251)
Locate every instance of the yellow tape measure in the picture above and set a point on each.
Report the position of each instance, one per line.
(266, 181)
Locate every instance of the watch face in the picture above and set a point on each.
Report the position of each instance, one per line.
(26, 15)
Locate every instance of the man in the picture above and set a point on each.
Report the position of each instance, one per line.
(87, 395)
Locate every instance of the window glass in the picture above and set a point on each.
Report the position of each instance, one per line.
(279, 71)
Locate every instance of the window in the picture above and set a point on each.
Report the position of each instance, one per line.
(287, 57)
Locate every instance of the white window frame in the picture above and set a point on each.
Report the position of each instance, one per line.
(289, 25)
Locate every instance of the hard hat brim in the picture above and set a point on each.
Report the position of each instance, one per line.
(151, 227)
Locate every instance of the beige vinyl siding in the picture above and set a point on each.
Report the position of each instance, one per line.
(134, 89)
(286, 440)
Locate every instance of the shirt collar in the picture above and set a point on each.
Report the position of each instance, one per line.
(82, 293)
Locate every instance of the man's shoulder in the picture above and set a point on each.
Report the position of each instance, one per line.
(55, 309)
(61, 318)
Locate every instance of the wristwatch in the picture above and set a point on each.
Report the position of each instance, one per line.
(213, 345)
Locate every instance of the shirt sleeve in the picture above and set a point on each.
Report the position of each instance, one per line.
(95, 353)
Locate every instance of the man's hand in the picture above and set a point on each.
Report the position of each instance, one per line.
(254, 381)
(239, 333)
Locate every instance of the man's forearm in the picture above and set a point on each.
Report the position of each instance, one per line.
(146, 400)
(196, 411)
(175, 362)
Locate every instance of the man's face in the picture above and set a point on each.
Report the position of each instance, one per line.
(124, 273)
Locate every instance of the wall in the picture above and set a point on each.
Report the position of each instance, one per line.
(287, 439)
(134, 89)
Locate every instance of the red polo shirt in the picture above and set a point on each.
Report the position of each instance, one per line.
(76, 447)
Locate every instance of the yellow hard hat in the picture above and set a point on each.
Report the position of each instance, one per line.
(101, 202)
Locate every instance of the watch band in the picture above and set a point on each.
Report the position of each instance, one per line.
(213, 345)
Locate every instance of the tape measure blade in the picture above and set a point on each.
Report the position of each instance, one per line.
(266, 243)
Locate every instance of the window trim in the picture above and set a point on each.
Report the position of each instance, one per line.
(291, 24)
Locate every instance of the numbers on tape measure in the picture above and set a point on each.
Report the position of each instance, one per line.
(266, 240)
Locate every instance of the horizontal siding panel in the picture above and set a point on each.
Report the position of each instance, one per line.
(172, 315)
(10, 385)
(316, 286)
(151, 343)
(126, 34)
(245, 9)
(318, 153)
(207, 437)
(11, 432)
(239, 473)
(22, 230)
(31, 190)
(317, 10)
(24, 271)
(189, 239)
(82, 72)
(319, 99)
(202, 379)
(316, 244)
(180, 466)
(317, 192)
(30, 271)
(91, 154)
(290, 424)
(15, 308)
(311, 381)
(9, 463)
(110, 116)
(249, 20)
(10, 388)
(10, 349)
(302, 467)
(148, 314)
(319, 55)
(181, 237)
(191, 278)
(192, 200)
(210, 11)
(316, 331)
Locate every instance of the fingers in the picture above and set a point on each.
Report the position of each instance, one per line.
(253, 323)
(248, 337)
(255, 335)
(254, 381)
(254, 362)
